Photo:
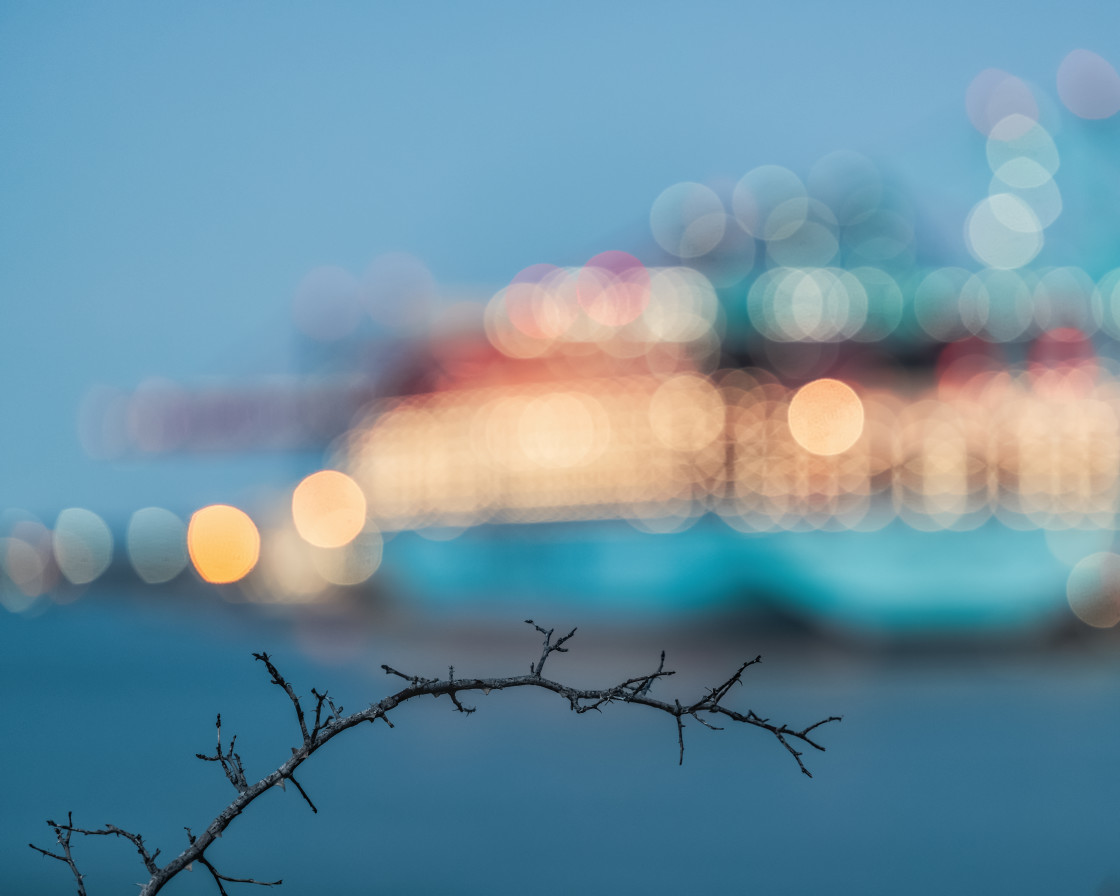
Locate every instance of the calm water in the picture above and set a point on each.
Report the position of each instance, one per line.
(975, 771)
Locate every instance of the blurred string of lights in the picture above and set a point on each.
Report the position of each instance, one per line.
(615, 400)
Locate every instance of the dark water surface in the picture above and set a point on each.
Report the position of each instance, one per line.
(979, 771)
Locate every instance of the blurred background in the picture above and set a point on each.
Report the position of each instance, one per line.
(360, 334)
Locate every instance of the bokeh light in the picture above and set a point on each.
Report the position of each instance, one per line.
(686, 413)
(83, 545)
(1017, 140)
(770, 202)
(353, 563)
(156, 541)
(26, 561)
(1088, 85)
(826, 417)
(223, 543)
(328, 509)
(286, 573)
(1003, 232)
(688, 220)
(613, 288)
(980, 391)
(1093, 590)
(994, 96)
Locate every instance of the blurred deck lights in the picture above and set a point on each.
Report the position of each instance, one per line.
(604, 399)
(613, 288)
(686, 413)
(223, 543)
(826, 417)
(329, 509)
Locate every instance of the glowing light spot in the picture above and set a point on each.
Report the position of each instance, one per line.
(1023, 173)
(505, 336)
(83, 545)
(688, 220)
(826, 417)
(353, 563)
(1019, 139)
(682, 305)
(819, 305)
(286, 573)
(1093, 590)
(770, 202)
(156, 540)
(613, 288)
(223, 543)
(25, 562)
(1003, 232)
(529, 303)
(994, 95)
(686, 413)
(557, 430)
(329, 509)
(1044, 199)
(1088, 85)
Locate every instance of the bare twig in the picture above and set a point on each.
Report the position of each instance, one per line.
(548, 647)
(329, 721)
(218, 877)
(280, 681)
(63, 832)
(303, 793)
(231, 762)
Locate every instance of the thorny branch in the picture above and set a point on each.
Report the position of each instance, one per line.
(329, 721)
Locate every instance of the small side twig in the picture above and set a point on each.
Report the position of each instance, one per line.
(62, 833)
(548, 647)
(231, 761)
(280, 681)
(219, 877)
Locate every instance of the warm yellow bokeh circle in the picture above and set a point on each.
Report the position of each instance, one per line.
(329, 509)
(826, 417)
(223, 542)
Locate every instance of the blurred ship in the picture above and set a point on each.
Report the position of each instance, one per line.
(777, 401)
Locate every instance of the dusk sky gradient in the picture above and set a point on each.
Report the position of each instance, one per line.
(170, 174)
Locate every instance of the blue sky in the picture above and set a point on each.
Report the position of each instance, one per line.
(168, 174)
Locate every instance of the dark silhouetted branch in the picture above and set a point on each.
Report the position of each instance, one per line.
(329, 721)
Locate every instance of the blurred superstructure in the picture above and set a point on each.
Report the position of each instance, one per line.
(783, 358)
